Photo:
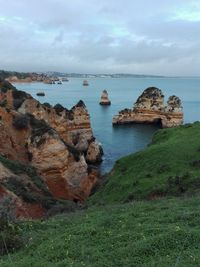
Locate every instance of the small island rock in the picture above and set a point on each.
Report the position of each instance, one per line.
(104, 98)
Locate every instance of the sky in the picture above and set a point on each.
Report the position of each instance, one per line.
(101, 36)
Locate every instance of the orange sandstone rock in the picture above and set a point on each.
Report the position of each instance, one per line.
(150, 108)
(58, 142)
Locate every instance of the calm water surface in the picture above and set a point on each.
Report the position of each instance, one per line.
(122, 140)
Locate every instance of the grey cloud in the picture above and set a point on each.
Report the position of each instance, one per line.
(96, 36)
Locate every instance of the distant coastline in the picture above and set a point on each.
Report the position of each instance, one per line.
(28, 77)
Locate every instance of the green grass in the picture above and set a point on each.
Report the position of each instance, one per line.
(121, 227)
(148, 233)
(169, 166)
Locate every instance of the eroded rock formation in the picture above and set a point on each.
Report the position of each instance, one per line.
(104, 98)
(58, 142)
(150, 108)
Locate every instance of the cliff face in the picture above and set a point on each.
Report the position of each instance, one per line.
(72, 125)
(150, 108)
(54, 140)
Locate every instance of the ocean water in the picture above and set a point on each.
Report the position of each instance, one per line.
(118, 141)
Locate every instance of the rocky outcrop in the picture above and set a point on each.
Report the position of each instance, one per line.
(94, 152)
(150, 108)
(63, 168)
(72, 125)
(57, 142)
(104, 99)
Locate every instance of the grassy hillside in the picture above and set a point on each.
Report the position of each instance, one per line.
(124, 228)
(169, 166)
(148, 233)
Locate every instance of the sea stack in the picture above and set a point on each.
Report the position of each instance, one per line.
(104, 99)
(150, 108)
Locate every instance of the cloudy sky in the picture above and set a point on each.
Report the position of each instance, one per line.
(101, 36)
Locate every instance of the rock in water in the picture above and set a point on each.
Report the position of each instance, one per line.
(150, 108)
(104, 98)
(40, 94)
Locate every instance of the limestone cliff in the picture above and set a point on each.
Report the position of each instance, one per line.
(54, 140)
(150, 108)
(72, 125)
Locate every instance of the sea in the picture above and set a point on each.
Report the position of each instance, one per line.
(118, 141)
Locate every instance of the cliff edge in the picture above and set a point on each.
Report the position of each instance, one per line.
(57, 142)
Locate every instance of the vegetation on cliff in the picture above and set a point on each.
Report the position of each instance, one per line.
(5, 74)
(10, 239)
(5, 86)
(170, 165)
(31, 189)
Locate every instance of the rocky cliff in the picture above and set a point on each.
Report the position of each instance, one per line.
(58, 142)
(72, 125)
(150, 108)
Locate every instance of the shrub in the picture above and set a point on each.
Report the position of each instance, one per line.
(3, 103)
(47, 105)
(10, 237)
(163, 168)
(20, 189)
(59, 108)
(39, 128)
(5, 86)
(3, 90)
(7, 213)
(196, 163)
(17, 94)
(73, 151)
(65, 207)
(18, 168)
(17, 103)
(18, 98)
(69, 115)
(21, 122)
